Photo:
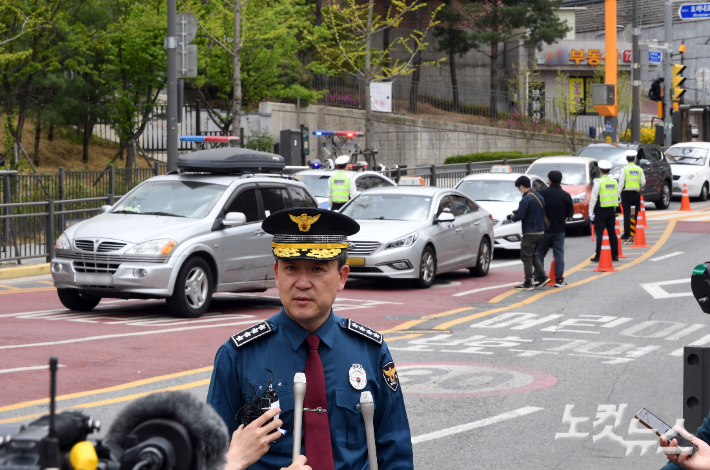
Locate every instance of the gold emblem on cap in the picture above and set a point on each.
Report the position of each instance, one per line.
(304, 222)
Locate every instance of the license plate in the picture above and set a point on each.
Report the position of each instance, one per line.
(93, 279)
(356, 261)
(676, 185)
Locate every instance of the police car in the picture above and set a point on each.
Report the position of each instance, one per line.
(317, 180)
(182, 236)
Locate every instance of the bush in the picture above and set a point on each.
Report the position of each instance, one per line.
(491, 156)
(648, 135)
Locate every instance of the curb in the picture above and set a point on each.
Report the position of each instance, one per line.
(24, 271)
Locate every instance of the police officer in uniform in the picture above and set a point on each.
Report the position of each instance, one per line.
(604, 201)
(340, 357)
(339, 184)
(631, 181)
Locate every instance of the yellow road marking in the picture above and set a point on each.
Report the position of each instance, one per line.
(21, 291)
(411, 323)
(389, 340)
(10, 287)
(46, 282)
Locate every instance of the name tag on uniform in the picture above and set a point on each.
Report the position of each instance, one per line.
(634, 172)
(610, 186)
(339, 181)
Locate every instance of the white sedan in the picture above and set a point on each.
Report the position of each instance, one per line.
(317, 182)
(496, 193)
(690, 166)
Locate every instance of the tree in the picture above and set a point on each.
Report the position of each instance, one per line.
(417, 68)
(345, 43)
(522, 118)
(495, 21)
(453, 40)
(565, 112)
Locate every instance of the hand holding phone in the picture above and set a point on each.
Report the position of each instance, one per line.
(654, 423)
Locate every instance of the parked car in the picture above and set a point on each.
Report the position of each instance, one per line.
(658, 172)
(181, 237)
(417, 232)
(691, 166)
(317, 181)
(578, 175)
(496, 193)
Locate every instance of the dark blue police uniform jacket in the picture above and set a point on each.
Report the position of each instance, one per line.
(280, 346)
(702, 433)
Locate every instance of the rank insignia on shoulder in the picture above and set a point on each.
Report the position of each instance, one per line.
(389, 373)
(251, 333)
(361, 329)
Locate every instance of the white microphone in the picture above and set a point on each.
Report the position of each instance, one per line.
(299, 394)
(367, 406)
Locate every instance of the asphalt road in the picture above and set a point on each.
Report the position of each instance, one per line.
(489, 374)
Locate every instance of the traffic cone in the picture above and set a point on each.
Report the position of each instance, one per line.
(640, 235)
(618, 238)
(591, 224)
(685, 201)
(605, 263)
(552, 271)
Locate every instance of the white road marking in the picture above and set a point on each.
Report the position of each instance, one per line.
(476, 424)
(655, 289)
(508, 263)
(485, 288)
(667, 256)
(123, 335)
(699, 342)
(22, 369)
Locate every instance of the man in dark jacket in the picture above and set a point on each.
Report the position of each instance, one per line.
(531, 211)
(558, 208)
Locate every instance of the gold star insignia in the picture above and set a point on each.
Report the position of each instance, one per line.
(304, 222)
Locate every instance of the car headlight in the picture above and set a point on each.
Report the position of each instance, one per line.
(577, 198)
(691, 176)
(154, 247)
(407, 240)
(62, 243)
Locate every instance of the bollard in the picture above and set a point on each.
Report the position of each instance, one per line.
(696, 386)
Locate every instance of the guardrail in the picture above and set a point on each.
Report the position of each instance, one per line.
(447, 176)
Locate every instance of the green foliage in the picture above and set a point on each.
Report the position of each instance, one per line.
(492, 156)
(260, 141)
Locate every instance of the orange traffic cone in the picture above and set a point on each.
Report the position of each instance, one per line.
(640, 235)
(685, 201)
(605, 263)
(591, 224)
(552, 271)
(618, 238)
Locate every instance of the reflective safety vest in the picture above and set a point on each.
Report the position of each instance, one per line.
(608, 192)
(633, 177)
(340, 187)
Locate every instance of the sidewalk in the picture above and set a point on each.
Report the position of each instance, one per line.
(30, 267)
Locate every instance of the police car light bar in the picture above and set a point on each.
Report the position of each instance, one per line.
(208, 138)
(339, 133)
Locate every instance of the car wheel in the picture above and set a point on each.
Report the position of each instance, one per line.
(427, 269)
(483, 262)
(704, 193)
(193, 289)
(664, 199)
(75, 300)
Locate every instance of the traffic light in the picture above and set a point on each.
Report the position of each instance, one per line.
(678, 80)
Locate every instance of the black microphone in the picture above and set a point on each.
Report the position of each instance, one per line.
(170, 431)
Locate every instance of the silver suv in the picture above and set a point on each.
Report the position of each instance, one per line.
(181, 237)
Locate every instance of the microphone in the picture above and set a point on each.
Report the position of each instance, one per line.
(170, 430)
(299, 394)
(367, 405)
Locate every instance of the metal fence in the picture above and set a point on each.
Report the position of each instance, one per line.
(448, 176)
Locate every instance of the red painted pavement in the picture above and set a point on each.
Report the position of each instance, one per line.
(692, 227)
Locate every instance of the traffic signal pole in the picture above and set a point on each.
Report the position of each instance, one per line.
(610, 64)
(635, 77)
(668, 75)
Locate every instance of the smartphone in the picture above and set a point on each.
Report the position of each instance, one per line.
(653, 422)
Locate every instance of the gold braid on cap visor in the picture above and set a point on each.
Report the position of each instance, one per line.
(313, 250)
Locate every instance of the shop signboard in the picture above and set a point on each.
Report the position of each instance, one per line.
(536, 101)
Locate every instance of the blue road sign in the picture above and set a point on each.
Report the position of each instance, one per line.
(694, 11)
(655, 57)
(608, 127)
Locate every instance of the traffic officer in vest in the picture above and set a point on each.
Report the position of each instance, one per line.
(339, 184)
(631, 181)
(605, 201)
(341, 358)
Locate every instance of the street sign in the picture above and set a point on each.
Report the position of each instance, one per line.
(655, 57)
(187, 27)
(608, 127)
(694, 11)
(187, 61)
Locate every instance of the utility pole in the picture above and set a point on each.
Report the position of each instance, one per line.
(171, 44)
(635, 77)
(668, 76)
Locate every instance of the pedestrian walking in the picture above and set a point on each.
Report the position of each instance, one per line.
(558, 208)
(531, 212)
(631, 181)
(339, 184)
(605, 200)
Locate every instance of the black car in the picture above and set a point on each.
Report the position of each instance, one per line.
(659, 178)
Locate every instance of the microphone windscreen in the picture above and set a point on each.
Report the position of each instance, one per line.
(207, 430)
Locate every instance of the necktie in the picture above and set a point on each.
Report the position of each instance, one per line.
(319, 452)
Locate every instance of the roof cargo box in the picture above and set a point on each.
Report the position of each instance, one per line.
(230, 160)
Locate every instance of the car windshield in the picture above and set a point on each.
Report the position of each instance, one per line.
(171, 198)
(490, 190)
(389, 207)
(316, 183)
(572, 173)
(614, 155)
(687, 156)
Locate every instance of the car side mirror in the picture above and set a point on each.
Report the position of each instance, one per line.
(234, 219)
(643, 161)
(104, 209)
(445, 217)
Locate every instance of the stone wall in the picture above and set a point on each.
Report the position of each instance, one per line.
(409, 141)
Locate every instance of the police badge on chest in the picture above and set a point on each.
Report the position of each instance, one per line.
(357, 377)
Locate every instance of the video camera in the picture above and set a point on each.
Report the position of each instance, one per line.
(161, 431)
